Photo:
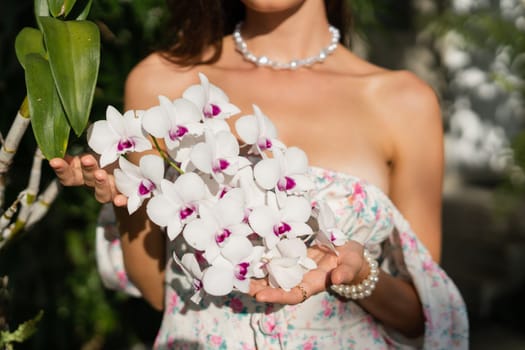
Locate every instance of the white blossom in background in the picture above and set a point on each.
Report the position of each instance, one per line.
(483, 114)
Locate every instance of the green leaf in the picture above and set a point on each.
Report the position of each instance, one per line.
(41, 10)
(23, 332)
(81, 9)
(60, 8)
(74, 56)
(49, 123)
(29, 40)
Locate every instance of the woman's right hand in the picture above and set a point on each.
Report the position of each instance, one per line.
(84, 170)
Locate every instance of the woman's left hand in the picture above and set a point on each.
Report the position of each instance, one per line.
(347, 268)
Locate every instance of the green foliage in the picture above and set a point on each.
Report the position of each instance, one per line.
(49, 122)
(21, 334)
(28, 41)
(73, 58)
(487, 31)
(53, 267)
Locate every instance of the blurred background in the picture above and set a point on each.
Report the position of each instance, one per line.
(471, 51)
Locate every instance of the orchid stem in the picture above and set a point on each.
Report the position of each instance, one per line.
(166, 156)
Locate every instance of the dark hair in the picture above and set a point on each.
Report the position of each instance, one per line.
(197, 25)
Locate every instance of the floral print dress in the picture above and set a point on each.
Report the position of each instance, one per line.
(323, 321)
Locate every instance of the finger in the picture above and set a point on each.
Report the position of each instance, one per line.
(256, 285)
(120, 200)
(67, 170)
(294, 296)
(104, 191)
(344, 274)
(89, 167)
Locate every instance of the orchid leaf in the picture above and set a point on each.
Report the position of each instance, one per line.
(81, 10)
(49, 123)
(74, 56)
(41, 10)
(60, 8)
(29, 40)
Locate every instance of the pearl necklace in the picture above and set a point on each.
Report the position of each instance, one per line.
(265, 61)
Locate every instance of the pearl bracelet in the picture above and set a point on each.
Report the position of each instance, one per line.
(363, 289)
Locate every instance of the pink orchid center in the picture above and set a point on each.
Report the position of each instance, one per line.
(286, 183)
(124, 145)
(220, 165)
(146, 187)
(333, 238)
(281, 229)
(222, 236)
(197, 284)
(178, 132)
(264, 143)
(211, 110)
(199, 255)
(241, 270)
(186, 211)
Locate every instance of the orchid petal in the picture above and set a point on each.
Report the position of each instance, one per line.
(296, 209)
(299, 229)
(267, 173)
(155, 121)
(237, 249)
(186, 111)
(101, 136)
(129, 168)
(202, 157)
(195, 94)
(247, 128)
(134, 202)
(190, 187)
(242, 285)
(296, 161)
(218, 281)
(226, 144)
(262, 219)
(199, 233)
(285, 273)
(115, 120)
(189, 261)
(152, 168)
(124, 184)
(292, 248)
(161, 210)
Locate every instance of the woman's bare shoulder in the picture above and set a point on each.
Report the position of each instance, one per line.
(404, 96)
(154, 76)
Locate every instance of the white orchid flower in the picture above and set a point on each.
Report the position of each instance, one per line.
(218, 155)
(211, 100)
(139, 182)
(218, 224)
(252, 195)
(193, 271)
(286, 172)
(272, 223)
(258, 130)
(288, 263)
(178, 203)
(117, 135)
(225, 274)
(329, 234)
(172, 121)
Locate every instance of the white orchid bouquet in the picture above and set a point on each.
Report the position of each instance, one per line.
(240, 217)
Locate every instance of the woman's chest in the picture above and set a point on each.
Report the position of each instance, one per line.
(335, 125)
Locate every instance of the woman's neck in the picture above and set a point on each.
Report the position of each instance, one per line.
(293, 33)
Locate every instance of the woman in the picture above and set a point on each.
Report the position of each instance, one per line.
(349, 116)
